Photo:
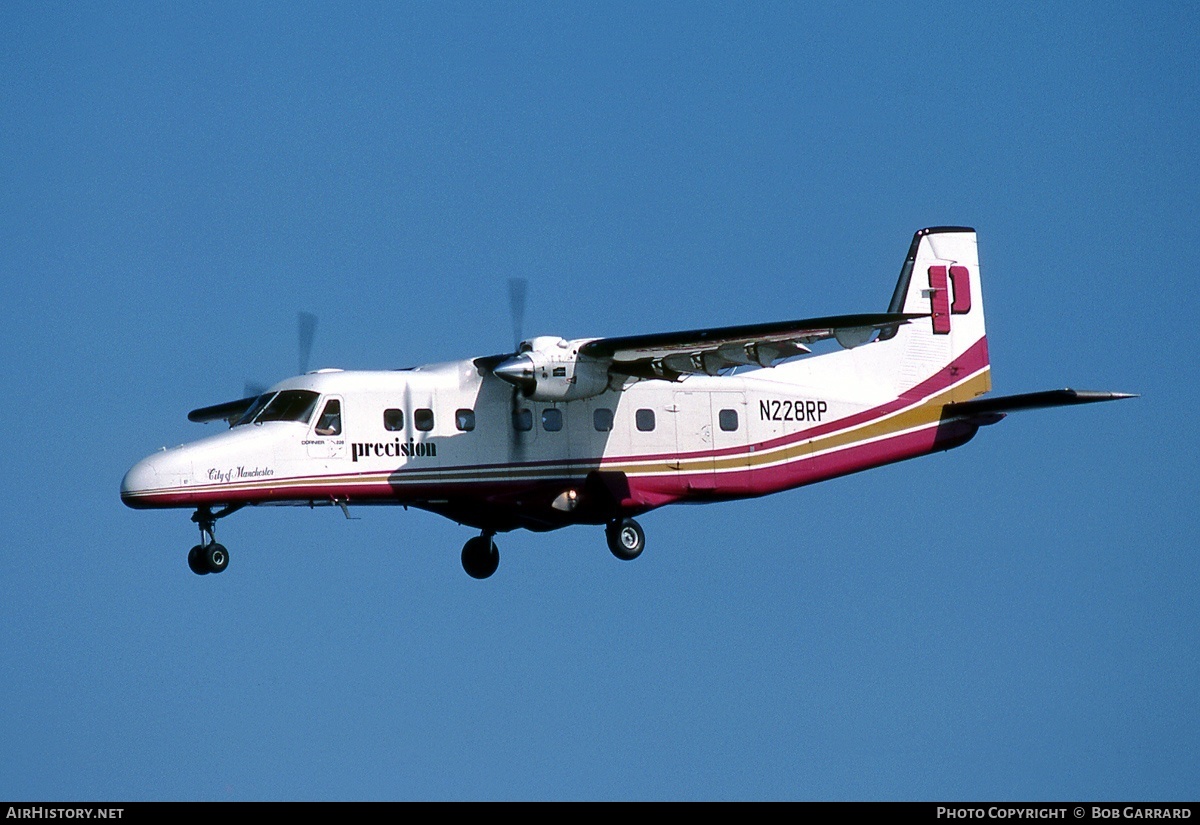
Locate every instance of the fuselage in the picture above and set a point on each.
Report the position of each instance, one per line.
(454, 439)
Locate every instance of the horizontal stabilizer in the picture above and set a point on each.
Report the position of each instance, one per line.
(1031, 401)
(222, 412)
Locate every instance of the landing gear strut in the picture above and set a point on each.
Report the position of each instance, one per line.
(208, 556)
(625, 538)
(480, 557)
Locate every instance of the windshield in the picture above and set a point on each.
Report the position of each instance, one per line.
(289, 405)
(254, 409)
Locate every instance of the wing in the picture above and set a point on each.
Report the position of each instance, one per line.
(671, 355)
(222, 412)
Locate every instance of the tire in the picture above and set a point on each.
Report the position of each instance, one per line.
(626, 539)
(196, 561)
(216, 557)
(480, 557)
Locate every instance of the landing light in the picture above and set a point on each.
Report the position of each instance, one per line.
(566, 501)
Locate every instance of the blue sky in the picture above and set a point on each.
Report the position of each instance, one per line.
(1016, 619)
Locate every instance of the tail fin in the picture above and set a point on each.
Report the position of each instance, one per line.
(940, 278)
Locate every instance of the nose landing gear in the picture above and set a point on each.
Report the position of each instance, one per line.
(208, 556)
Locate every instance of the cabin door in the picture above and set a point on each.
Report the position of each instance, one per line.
(711, 438)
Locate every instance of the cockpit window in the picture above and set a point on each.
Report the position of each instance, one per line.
(255, 409)
(330, 422)
(289, 405)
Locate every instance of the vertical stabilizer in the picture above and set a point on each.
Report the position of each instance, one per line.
(947, 350)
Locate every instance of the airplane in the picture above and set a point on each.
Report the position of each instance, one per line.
(597, 431)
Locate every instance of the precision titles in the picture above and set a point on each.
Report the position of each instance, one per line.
(395, 448)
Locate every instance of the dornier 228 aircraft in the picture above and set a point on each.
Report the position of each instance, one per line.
(599, 430)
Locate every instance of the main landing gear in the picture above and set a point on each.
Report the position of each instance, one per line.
(208, 556)
(480, 557)
(626, 539)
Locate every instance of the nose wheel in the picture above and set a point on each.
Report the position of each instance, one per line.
(208, 556)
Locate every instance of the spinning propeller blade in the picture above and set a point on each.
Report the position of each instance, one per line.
(516, 305)
(307, 323)
(307, 331)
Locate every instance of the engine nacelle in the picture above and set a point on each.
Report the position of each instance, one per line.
(551, 369)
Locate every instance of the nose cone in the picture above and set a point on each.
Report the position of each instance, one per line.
(158, 479)
(141, 479)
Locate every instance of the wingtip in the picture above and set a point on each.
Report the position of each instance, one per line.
(1102, 395)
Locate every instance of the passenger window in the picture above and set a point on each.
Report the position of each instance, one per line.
(522, 420)
(464, 420)
(552, 420)
(423, 419)
(393, 420)
(645, 420)
(330, 422)
(602, 419)
(728, 419)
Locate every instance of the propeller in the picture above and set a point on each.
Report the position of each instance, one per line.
(517, 369)
(516, 306)
(306, 324)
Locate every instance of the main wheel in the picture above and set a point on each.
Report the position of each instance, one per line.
(216, 557)
(625, 539)
(196, 561)
(480, 557)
